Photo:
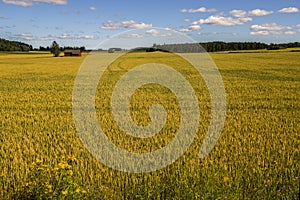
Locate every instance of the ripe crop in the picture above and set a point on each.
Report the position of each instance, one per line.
(256, 157)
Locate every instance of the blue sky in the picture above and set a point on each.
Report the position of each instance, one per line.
(88, 22)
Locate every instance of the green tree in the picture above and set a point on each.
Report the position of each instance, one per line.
(54, 49)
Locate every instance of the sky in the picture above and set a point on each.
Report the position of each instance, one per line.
(89, 22)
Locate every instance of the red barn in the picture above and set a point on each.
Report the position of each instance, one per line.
(72, 52)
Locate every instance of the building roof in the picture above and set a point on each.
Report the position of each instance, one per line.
(73, 51)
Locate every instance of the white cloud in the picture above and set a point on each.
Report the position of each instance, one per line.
(133, 24)
(26, 3)
(92, 8)
(290, 32)
(135, 35)
(275, 32)
(289, 10)
(87, 37)
(25, 35)
(201, 9)
(239, 13)
(217, 33)
(298, 25)
(194, 27)
(260, 33)
(157, 33)
(264, 33)
(218, 20)
(28, 38)
(125, 24)
(170, 29)
(268, 27)
(47, 38)
(184, 30)
(64, 36)
(259, 12)
(255, 12)
(186, 20)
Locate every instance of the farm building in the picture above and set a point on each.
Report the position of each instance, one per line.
(72, 52)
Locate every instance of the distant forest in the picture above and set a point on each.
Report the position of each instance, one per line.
(6, 45)
(222, 46)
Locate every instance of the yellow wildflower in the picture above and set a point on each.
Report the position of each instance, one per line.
(33, 165)
(65, 192)
(28, 184)
(226, 179)
(77, 190)
(49, 186)
(64, 165)
(72, 158)
(70, 172)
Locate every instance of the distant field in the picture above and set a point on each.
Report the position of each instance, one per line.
(296, 49)
(256, 157)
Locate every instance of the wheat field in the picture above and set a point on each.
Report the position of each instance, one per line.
(256, 156)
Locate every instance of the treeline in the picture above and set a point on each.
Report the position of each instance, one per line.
(223, 46)
(6, 45)
(41, 48)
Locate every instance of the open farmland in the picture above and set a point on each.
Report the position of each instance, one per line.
(256, 157)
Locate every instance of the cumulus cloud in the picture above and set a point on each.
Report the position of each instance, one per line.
(64, 36)
(26, 3)
(239, 13)
(264, 33)
(132, 35)
(216, 33)
(289, 10)
(125, 24)
(255, 12)
(157, 33)
(47, 38)
(260, 33)
(87, 37)
(290, 32)
(259, 12)
(201, 9)
(184, 30)
(219, 20)
(25, 35)
(168, 29)
(92, 8)
(272, 29)
(194, 27)
(268, 27)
